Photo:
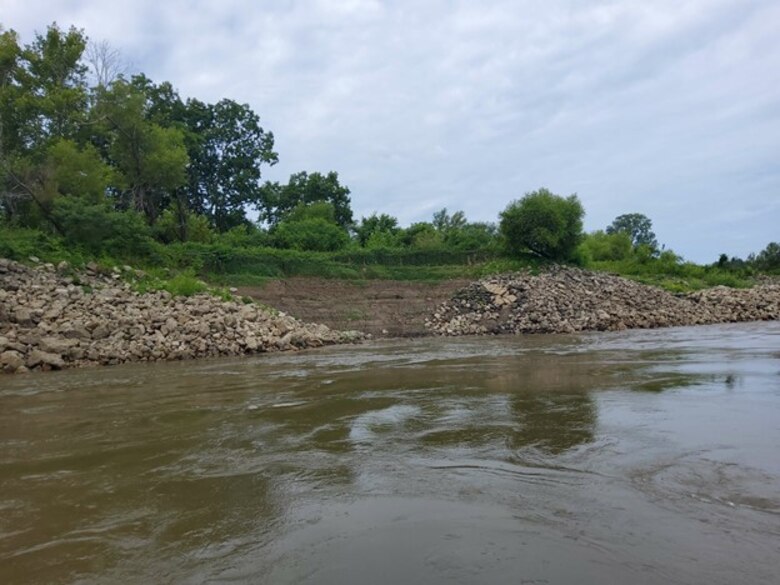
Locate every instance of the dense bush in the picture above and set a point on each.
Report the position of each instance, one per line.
(99, 230)
(544, 223)
(599, 246)
(314, 234)
(172, 226)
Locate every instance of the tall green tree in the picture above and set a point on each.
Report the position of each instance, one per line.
(639, 228)
(43, 94)
(227, 155)
(278, 200)
(227, 148)
(151, 160)
(55, 85)
(543, 223)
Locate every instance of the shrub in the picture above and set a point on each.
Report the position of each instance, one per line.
(196, 227)
(245, 236)
(600, 246)
(184, 284)
(544, 223)
(99, 230)
(314, 234)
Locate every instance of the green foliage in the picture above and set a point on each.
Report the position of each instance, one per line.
(544, 223)
(174, 225)
(384, 227)
(769, 258)
(383, 240)
(52, 102)
(245, 236)
(99, 230)
(151, 160)
(312, 234)
(185, 284)
(445, 223)
(323, 210)
(638, 227)
(21, 243)
(671, 272)
(226, 159)
(599, 246)
(422, 235)
(279, 200)
(311, 227)
(79, 172)
(473, 236)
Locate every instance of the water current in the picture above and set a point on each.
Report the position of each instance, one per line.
(628, 458)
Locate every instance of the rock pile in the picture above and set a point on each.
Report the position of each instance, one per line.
(50, 319)
(565, 300)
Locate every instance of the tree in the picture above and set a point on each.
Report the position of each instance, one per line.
(472, 236)
(226, 159)
(152, 160)
(769, 257)
(226, 147)
(105, 62)
(375, 224)
(53, 80)
(637, 226)
(278, 200)
(78, 172)
(43, 95)
(445, 223)
(543, 223)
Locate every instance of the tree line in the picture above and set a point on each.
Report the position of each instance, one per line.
(117, 164)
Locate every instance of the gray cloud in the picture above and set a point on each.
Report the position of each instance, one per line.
(667, 108)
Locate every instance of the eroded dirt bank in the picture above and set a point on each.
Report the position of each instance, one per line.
(383, 308)
(53, 318)
(565, 300)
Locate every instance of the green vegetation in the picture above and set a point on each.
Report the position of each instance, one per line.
(545, 224)
(122, 170)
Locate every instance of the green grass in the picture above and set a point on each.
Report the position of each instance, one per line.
(679, 277)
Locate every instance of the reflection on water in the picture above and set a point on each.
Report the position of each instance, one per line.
(642, 457)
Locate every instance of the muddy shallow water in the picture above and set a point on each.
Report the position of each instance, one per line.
(634, 457)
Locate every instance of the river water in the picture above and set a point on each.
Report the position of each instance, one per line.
(627, 458)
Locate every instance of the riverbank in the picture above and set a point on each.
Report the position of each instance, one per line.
(57, 317)
(565, 300)
(381, 308)
(54, 317)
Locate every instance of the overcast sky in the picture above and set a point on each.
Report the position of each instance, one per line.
(666, 108)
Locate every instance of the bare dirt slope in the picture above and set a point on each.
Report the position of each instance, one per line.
(380, 307)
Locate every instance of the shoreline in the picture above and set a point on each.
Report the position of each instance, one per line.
(53, 318)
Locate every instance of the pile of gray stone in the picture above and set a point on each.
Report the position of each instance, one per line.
(565, 299)
(53, 317)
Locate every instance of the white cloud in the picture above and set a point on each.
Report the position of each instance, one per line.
(667, 108)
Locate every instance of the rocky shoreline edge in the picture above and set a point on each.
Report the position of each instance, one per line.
(566, 300)
(54, 317)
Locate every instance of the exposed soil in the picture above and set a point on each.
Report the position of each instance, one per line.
(383, 308)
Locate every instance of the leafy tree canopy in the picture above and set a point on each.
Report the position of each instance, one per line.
(445, 223)
(543, 223)
(637, 226)
(376, 224)
(278, 200)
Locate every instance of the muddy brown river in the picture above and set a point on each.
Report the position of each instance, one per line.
(626, 458)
